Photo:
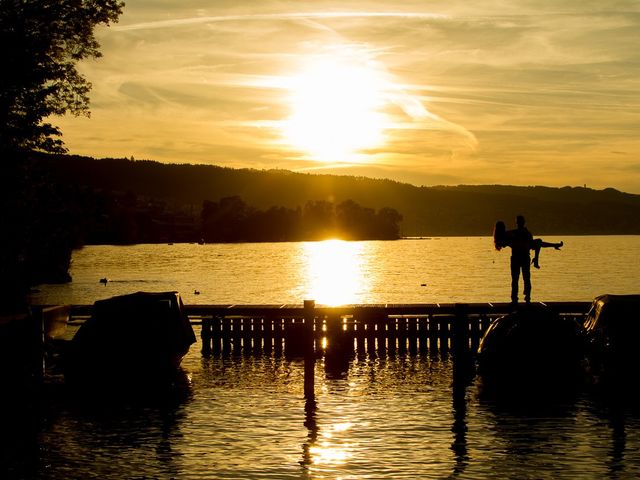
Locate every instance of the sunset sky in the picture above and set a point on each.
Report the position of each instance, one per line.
(426, 92)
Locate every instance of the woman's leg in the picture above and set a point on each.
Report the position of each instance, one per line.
(544, 244)
(537, 244)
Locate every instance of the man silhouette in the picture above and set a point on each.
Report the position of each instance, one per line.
(520, 243)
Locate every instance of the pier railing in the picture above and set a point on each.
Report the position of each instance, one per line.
(308, 330)
(384, 327)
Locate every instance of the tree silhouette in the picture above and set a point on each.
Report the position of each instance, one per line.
(388, 223)
(319, 219)
(358, 220)
(42, 40)
(232, 220)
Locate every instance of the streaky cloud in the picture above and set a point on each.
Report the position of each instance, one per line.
(276, 16)
(424, 119)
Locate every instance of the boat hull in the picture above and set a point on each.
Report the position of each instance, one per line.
(531, 346)
(131, 339)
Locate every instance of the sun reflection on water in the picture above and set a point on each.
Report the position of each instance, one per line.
(335, 273)
(328, 451)
(325, 454)
(341, 427)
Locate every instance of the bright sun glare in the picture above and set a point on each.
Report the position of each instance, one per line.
(336, 109)
(335, 273)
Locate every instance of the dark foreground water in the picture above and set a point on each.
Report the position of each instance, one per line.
(385, 417)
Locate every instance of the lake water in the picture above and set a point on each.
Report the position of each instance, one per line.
(393, 416)
(437, 270)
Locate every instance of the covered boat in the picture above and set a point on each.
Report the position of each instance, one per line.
(613, 328)
(531, 346)
(137, 338)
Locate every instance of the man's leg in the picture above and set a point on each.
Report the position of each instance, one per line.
(515, 274)
(536, 245)
(526, 278)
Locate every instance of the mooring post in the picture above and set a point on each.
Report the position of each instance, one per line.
(309, 353)
(205, 335)
(460, 343)
(463, 369)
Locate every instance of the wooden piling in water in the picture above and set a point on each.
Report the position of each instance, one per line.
(278, 334)
(216, 335)
(401, 323)
(412, 334)
(309, 353)
(391, 334)
(334, 333)
(226, 336)
(205, 336)
(423, 334)
(360, 334)
(246, 325)
(267, 329)
(460, 330)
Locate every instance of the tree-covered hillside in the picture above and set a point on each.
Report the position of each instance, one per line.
(431, 211)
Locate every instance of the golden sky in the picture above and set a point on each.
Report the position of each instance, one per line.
(426, 92)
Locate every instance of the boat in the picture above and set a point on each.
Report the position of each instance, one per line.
(139, 338)
(531, 346)
(612, 326)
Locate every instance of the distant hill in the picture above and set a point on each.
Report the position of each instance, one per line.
(427, 211)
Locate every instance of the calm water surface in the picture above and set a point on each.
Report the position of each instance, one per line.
(392, 416)
(461, 269)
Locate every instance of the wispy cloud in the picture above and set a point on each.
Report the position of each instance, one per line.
(179, 22)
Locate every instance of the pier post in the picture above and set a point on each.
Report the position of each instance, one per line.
(205, 335)
(460, 333)
(216, 334)
(309, 353)
(463, 368)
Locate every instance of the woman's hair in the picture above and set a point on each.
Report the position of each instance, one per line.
(500, 235)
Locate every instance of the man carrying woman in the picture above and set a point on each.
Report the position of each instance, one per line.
(521, 242)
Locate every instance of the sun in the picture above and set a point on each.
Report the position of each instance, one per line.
(336, 109)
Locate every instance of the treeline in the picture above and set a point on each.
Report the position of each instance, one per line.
(426, 211)
(232, 220)
(78, 212)
(124, 218)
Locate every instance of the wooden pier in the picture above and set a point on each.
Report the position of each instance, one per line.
(293, 329)
(307, 331)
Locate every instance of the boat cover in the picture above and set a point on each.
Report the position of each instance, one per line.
(141, 334)
(613, 326)
(531, 342)
(614, 314)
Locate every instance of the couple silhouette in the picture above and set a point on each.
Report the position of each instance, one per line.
(521, 243)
